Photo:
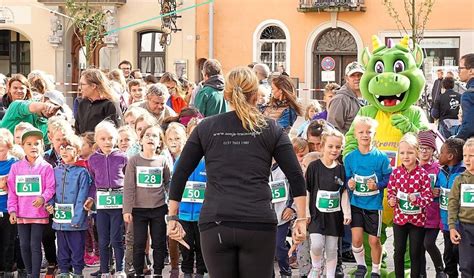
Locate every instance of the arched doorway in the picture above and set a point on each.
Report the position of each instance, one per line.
(15, 53)
(338, 44)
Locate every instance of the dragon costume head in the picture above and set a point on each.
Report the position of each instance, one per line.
(393, 80)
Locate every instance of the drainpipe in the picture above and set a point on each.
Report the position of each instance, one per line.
(211, 30)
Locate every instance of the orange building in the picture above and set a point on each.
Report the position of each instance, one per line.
(302, 34)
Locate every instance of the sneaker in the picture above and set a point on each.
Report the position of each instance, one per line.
(315, 273)
(63, 275)
(96, 274)
(339, 272)
(105, 275)
(174, 273)
(120, 274)
(188, 275)
(197, 275)
(374, 275)
(77, 276)
(8, 275)
(348, 257)
(361, 271)
(441, 275)
(22, 273)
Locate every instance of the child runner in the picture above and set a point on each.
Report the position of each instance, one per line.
(108, 190)
(136, 90)
(368, 170)
(409, 192)
(312, 109)
(325, 179)
(450, 157)
(146, 180)
(132, 114)
(128, 141)
(300, 146)
(8, 231)
(30, 185)
(17, 151)
(461, 208)
(70, 218)
(427, 141)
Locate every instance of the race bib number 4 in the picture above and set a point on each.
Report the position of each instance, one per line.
(194, 192)
(362, 189)
(109, 200)
(467, 195)
(149, 177)
(328, 201)
(63, 213)
(406, 207)
(28, 185)
(279, 191)
(443, 198)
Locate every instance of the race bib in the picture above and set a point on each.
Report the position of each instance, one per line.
(328, 201)
(467, 195)
(63, 213)
(432, 180)
(109, 199)
(149, 177)
(194, 192)
(443, 198)
(28, 185)
(362, 189)
(3, 179)
(406, 207)
(279, 191)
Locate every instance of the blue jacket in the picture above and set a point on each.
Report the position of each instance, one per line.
(5, 166)
(287, 118)
(467, 104)
(445, 179)
(191, 211)
(72, 187)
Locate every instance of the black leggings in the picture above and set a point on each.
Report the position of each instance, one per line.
(416, 235)
(233, 253)
(450, 256)
(432, 249)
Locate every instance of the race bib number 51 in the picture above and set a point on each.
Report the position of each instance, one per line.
(109, 200)
(467, 195)
(28, 185)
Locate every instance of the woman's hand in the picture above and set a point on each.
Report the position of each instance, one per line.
(299, 231)
(176, 232)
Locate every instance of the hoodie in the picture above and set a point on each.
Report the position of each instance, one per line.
(343, 108)
(457, 211)
(445, 180)
(107, 171)
(72, 187)
(210, 99)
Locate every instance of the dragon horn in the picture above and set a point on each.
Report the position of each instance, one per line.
(404, 42)
(375, 42)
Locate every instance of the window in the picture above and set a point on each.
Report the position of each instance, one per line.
(14, 53)
(272, 47)
(151, 55)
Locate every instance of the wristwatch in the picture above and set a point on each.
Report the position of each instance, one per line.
(170, 218)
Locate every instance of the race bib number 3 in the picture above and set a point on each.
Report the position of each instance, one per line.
(467, 195)
(109, 200)
(63, 213)
(406, 207)
(149, 177)
(194, 192)
(443, 198)
(362, 189)
(328, 201)
(279, 191)
(28, 185)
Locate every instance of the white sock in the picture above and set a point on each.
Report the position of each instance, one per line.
(376, 268)
(359, 255)
(316, 261)
(331, 268)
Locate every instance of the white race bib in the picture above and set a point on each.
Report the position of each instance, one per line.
(63, 213)
(406, 207)
(28, 185)
(328, 201)
(362, 189)
(467, 195)
(149, 177)
(194, 192)
(279, 191)
(444, 198)
(109, 199)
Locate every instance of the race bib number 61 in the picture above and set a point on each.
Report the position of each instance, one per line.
(28, 185)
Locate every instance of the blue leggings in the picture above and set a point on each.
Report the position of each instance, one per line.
(30, 245)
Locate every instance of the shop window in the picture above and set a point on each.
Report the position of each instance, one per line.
(151, 55)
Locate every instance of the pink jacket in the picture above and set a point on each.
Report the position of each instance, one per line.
(22, 205)
(433, 218)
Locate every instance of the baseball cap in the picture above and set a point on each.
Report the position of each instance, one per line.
(31, 131)
(55, 97)
(353, 68)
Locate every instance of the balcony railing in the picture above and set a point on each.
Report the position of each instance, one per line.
(331, 6)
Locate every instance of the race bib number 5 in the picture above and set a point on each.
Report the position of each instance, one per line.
(328, 201)
(362, 189)
(405, 205)
(467, 195)
(28, 185)
(279, 191)
(63, 213)
(109, 200)
(149, 177)
(194, 192)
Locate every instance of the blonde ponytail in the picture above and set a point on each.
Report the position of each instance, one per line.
(240, 91)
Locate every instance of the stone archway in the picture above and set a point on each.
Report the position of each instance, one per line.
(338, 44)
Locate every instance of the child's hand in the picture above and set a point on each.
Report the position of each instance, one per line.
(49, 208)
(3, 183)
(351, 183)
(392, 202)
(13, 218)
(287, 214)
(412, 198)
(88, 204)
(127, 218)
(372, 184)
(455, 236)
(436, 192)
(347, 219)
(38, 202)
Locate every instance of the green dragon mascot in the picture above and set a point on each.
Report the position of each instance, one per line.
(392, 84)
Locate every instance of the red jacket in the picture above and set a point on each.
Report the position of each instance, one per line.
(177, 103)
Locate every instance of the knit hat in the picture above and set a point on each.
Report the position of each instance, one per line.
(427, 138)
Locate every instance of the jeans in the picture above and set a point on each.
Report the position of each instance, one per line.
(450, 256)
(71, 246)
(110, 230)
(30, 244)
(416, 234)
